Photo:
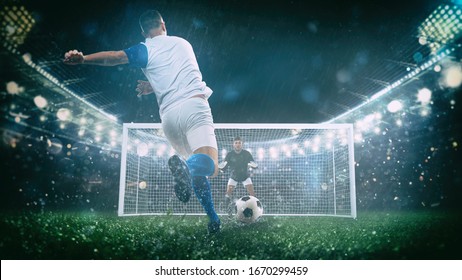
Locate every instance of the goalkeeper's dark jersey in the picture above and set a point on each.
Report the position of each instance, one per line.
(237, 163)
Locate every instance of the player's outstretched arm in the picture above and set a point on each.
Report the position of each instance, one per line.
(144, 88)
(106, 58)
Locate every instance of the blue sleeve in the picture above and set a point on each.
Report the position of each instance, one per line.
(137, 56)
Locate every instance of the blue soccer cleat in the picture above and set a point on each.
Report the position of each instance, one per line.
(214, 226)
(181, 178)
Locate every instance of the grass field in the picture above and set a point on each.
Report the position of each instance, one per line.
(377, 235)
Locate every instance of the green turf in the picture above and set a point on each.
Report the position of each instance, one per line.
(378, 235)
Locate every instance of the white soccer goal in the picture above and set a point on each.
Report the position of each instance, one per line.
(303, 169)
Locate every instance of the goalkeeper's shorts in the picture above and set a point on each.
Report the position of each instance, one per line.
(232, 182)
(189, 126)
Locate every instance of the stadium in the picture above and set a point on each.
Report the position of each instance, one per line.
(352, 115)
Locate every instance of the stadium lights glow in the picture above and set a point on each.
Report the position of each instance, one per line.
(424, 112)
(161, 150)
(98, 127)
(424, 96)
(63, 87)
(13, 88)
(315, 148)
(260, 153)
(358, 137)
(367, 123)
(452, 76)
(17, 22)
(387, 90)
(64, 114)
(329, 145)
(171, 152)
(274, 154)
(443, 26)
(40, 101)
(142, 149)
(394, 106)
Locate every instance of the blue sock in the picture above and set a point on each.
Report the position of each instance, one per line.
(201, 187)
(200, 165)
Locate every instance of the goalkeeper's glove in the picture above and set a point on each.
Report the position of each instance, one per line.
(222, 165)
(252, 164)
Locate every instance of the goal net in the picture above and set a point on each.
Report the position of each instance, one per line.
(303, 169)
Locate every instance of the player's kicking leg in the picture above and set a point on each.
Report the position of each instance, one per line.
(201, 164)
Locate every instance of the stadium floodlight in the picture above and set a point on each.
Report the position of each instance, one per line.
(260, 154)
(310, 173)
(17, 22)
(442, 27)
(424, 96)
(40, 101)
(142, 149)
(98, 127)
(394, 106)
(13, 88)
(452, 76)
(64, 114)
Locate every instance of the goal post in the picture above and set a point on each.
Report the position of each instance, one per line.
(303, 170)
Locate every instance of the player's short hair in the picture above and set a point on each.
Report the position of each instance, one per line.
(237, 138)
(150, 19)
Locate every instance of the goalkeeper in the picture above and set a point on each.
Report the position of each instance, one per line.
(238, 161)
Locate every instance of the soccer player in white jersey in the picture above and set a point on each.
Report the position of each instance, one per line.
(238, 161)
(171, 68)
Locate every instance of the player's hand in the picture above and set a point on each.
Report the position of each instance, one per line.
(252, 164)
(73, 57)
(222, 165)
(143, 88)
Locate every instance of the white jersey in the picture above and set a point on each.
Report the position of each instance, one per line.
(171, 68)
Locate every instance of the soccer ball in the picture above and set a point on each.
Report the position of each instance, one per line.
(248, 209)
(142, 185)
